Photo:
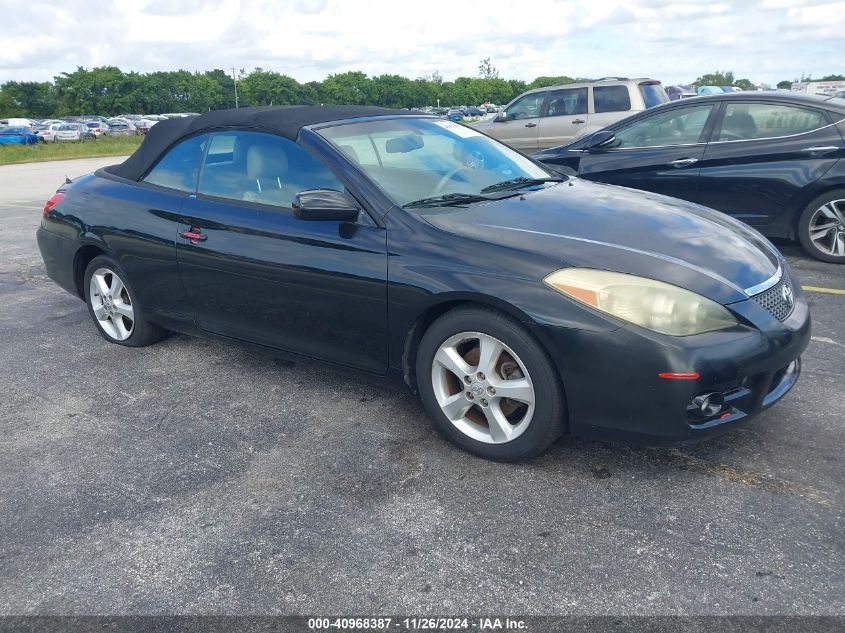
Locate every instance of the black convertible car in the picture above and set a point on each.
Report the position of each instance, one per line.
(518, 303)
(775, 160)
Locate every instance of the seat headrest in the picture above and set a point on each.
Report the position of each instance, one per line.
(266, 161)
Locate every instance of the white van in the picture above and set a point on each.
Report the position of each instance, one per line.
(16, 122)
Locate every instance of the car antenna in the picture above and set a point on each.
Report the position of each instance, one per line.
(67, 180)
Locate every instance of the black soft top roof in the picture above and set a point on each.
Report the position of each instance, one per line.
(282, 120)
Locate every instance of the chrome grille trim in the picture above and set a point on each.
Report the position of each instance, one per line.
(771, 281)
(772, 300)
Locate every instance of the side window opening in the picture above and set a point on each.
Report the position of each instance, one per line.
(263, 168)
(528, 107)
(611, 99)
(567, 102)
(747, 121)
(679, 126)
(178, 168)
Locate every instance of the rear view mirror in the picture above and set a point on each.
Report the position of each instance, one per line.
(324, 204)
(600, 140)
(502, 116)
(404, 144)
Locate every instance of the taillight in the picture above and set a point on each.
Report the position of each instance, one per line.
(55, 199)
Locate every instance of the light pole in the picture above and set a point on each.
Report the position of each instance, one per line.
(235, 79)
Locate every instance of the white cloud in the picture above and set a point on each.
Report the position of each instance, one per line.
(675, 41)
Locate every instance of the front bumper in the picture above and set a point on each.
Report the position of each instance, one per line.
(613, 390)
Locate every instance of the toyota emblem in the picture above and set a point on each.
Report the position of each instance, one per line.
(786, 294)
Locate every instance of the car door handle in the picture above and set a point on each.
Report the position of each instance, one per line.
(194, 235)
(579, 121)
(683, 162)
(530, 125)
(827, 149)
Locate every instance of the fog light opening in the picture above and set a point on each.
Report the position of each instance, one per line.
(709, 404)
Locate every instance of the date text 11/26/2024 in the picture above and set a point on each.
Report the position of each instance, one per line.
(416, 624)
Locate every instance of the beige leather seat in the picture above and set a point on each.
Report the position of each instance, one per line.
(267, 170)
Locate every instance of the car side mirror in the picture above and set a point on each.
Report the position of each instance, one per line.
(324, 204)
(502, 116)
(600, 141)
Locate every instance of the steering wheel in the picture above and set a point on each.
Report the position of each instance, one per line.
(473, 161)
(449, 177)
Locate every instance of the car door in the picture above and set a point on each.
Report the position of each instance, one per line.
(257, 273)
(518, 124)
(762, 158)
(656, 152)
(564, 117)
(147, 252)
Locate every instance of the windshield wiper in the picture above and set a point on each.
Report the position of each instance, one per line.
(448, 200)
(518, 183)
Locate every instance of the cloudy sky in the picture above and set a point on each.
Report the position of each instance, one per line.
(763, 40)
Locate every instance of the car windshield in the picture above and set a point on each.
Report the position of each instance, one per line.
(68, 128)
(415, 159)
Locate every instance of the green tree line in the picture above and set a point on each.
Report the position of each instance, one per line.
(109, 91)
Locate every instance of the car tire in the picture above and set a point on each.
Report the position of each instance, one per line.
(113, 308)
(821, 227)
(490, 349)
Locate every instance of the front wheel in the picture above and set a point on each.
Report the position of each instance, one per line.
(488, 386)
(821, 227)
(112, 306)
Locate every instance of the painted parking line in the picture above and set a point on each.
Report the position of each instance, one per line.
(6, 205)
(828, 291)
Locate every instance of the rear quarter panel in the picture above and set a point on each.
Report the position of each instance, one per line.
(134, 224)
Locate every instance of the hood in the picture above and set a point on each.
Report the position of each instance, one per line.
(591, 225)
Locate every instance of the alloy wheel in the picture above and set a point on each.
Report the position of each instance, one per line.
(112, 304)
(483, 387)
(827, 228)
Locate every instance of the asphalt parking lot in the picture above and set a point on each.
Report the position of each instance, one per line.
(194, 477)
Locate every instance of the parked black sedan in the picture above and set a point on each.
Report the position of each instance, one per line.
(519, 304)
(772, 159)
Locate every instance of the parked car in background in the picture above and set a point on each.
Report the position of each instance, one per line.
(556, 115)
(47, 131)
(775, 160)
(16, 122)
(17, 135)
(98, 128)
(79, 132)
(680, 92)
(145, 122)
(123, 129)
(840, 94)
(518, 304)
(455, 114)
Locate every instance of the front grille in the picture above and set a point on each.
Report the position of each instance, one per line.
(779, 300)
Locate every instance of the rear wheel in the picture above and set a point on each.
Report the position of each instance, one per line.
(112, 306)
(488, 386)
(821, 227)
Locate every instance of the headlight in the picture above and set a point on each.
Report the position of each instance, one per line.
(651, 304)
